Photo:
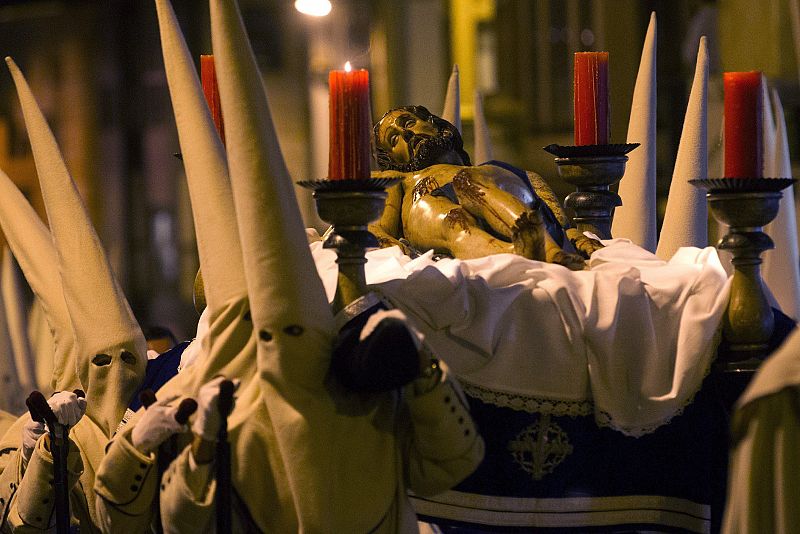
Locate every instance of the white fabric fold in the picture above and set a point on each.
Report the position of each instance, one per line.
(636, 218)
(686, 217)
(781, 269)
(635, 335)
(452, 100)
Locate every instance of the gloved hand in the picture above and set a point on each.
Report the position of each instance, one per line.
(208, 419)
(67, 407)
(155, 427)
(31, 432)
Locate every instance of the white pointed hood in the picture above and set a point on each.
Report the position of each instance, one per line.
(452, 100)
(206, 169)
(110, 346)
(227, 347)
(11, 286)
(636, 218)
(686, 217)
(780, 268)
(271, 229)
(484, 151)
(32, 245)
(313, 420)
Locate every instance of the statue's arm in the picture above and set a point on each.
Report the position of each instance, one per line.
(584, 245)
(548, 196)
(389, 228)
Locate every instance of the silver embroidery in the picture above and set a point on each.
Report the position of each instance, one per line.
(540, 447)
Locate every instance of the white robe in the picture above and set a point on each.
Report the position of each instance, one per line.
(764, 470)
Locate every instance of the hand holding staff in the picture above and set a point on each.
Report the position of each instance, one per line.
(69, 408)
(156, 430)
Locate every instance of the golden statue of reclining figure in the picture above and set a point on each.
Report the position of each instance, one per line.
(445, 204)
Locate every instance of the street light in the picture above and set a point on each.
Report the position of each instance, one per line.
(315, 8)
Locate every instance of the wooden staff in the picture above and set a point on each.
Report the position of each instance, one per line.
(223, 460)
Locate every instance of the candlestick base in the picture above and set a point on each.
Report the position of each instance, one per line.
(592, 169)
(349, 206)
(745, 205)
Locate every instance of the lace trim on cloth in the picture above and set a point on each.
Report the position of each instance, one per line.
(527, 403)
(604, 419)
(558, 407)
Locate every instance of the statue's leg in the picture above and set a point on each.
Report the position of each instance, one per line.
(506, 214)
(434, 222)
(509, 216)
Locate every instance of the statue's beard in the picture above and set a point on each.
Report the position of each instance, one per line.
(427, 150)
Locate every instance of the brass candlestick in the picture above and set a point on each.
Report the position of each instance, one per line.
(349, 206)
(592, 169)
(745, 205)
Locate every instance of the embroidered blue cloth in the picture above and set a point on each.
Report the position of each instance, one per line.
(564, 473)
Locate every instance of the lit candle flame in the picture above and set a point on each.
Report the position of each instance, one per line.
(348, 67)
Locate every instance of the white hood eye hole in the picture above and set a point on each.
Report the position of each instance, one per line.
(101, 359)
(128, 357)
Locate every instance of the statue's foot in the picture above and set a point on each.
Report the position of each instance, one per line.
(585, 245)
(573, 262)
(528, 236)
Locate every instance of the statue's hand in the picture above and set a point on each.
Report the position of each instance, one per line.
(386, 241)
(584, 245)
(528, 236)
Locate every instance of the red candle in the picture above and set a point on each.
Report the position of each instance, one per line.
(350, 124)
(743, 114)
(592, 108)
(208, 77)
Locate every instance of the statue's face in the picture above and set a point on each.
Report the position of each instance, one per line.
(404, 136)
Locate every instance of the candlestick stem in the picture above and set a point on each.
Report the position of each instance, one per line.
(349, 206)
(745, 205)
(352, 282)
